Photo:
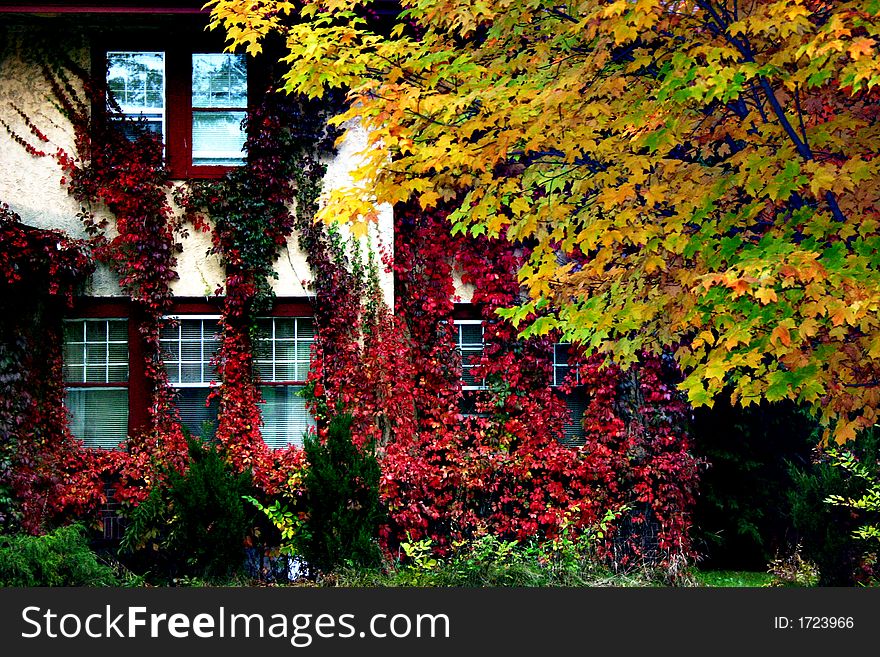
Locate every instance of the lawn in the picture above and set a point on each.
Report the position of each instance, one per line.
(730, 578)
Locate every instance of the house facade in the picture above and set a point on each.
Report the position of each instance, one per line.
(211, 306)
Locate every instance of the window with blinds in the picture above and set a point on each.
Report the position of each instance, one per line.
(96, 380)
(469, 342)
(189, 345)
(562, 368)
(282, 354)
(561, 365)
(203, 128)
(573, 435)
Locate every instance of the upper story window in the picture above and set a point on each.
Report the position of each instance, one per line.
(195, 101)
(136, 81)
(96, 380)
(219, 105)
(282, 354)
(189, 345)
(561, 364)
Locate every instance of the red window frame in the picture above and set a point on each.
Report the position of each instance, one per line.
(139, 393)
(179, 47)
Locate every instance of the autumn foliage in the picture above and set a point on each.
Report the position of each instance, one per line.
(697, 174)
(454, 464)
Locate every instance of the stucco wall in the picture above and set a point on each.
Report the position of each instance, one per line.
(31, 186)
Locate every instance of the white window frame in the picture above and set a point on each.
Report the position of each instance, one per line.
(469, 347)
(211, 383)
(84, 385)
(296, 340)
(275, 381)
(135, 112)
(558, 365)
(208, 385)
(574, 428)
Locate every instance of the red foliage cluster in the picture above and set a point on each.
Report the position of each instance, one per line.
(49, 260)
(504, 468)
(128, 179)
(39, 273)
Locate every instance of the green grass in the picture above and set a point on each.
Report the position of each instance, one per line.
(732, 578)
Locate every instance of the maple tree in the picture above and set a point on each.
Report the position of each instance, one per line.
(694, 173)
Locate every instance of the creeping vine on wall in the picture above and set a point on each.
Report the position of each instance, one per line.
(499, 468)
(504, 469)
(249, 213)
(40, 479)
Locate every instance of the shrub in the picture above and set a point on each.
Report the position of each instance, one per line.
(59, 558)
(825, 530)
(194, 524)
(743, 513)
(865, 474)
(342, 500)
(491, 561)
(793, 570)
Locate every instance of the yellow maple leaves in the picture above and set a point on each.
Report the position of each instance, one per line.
(711, 182)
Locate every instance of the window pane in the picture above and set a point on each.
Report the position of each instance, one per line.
(73, 373)
(218, 138)
(191, 351)
(90, 357)
(285, 329)
(470, 347)
(74, 354)
(285, 417)
(264, 371)
(118, 330)
(574, 428)
(289, 351)
(471, 334)
(262, 349)
(191, 329)
(188, 349)
(305, 328)
(118, 353)
(96, 331)
(191, 373)
(219, 80)
(98, 417)
(170, 350)
(193, 412)
(117, 373)
(136, 80)
(74, 331)
(303, 350)
(285, 350)
(285, 372)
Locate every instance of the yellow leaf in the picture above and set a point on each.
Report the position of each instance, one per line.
(654, 263)
(822, 176)
(428, 199)
(520, 206)
(861, 47)
(808, 328)
(766, 295)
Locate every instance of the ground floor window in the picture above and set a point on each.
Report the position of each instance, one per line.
(282, 354)
(189, 350)
(96, 380)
